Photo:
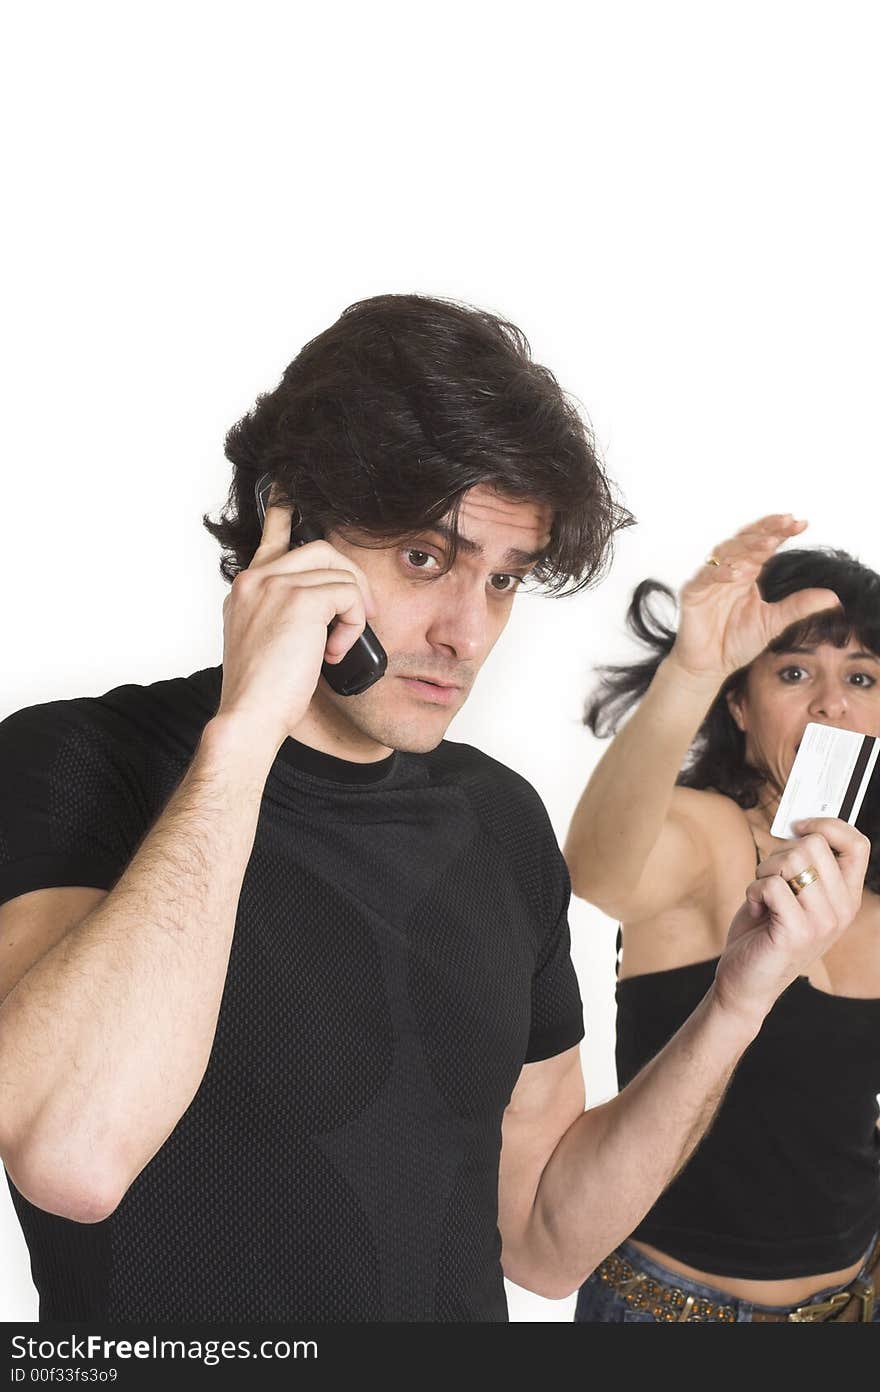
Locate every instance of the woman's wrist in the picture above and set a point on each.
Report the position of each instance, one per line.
(702, 685)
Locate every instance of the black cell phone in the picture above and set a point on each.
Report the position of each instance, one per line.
(366, 660)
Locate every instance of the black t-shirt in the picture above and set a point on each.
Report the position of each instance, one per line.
(401, 949)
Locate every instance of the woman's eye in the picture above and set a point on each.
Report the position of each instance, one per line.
(793, 676)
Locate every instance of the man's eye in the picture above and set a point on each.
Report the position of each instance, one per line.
(789, 674)
(419, 560)
(425, 556)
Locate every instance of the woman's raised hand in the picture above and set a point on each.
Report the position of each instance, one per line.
(723, 621)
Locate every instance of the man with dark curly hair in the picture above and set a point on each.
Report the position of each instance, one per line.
(289, 1024)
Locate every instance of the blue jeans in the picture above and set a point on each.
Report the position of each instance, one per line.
(598, 1302)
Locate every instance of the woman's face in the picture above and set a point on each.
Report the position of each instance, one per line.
(786, 690)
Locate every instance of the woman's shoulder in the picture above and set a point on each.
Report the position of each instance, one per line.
(718, 827)
(706, 807)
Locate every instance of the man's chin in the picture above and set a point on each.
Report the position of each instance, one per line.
(412, 727)
(411, 736)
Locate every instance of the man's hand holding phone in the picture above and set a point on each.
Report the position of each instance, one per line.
(275, 621)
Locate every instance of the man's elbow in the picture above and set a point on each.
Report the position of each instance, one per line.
(51, 1186)
(543, 1279)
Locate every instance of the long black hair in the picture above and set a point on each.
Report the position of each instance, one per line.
(717, 756)
(386, 418)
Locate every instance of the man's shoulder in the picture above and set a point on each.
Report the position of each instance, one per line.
(130, 715)
(480, 773)
(53, 722)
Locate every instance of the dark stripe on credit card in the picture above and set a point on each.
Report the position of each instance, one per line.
(857, 775)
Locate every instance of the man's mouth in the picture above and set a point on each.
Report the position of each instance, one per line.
(431, 689)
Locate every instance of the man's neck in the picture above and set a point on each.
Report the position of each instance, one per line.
(324, 727)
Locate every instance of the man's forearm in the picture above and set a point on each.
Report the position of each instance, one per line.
(105, 1040)
(616, 1159)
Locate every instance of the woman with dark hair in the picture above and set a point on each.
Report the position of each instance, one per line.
(776, 1214)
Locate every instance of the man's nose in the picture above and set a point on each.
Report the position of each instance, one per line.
(460, 624)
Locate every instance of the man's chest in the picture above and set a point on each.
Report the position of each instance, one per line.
(355, 946)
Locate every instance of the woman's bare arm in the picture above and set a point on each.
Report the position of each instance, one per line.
(632, 849)
(637, 844)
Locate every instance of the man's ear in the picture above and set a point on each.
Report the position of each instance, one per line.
(734, 705)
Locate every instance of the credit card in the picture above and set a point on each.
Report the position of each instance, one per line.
(829, 777)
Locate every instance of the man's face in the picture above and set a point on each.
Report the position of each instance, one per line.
(439, 627)
(786, 690)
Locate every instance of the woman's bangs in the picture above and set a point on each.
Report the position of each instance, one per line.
(832, 626)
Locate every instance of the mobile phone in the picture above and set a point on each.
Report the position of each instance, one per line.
(366, 660)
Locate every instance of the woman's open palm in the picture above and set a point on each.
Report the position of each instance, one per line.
(723, 621)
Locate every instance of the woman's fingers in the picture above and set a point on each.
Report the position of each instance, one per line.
(757, 540)
(775, 523)
(800, 605)
(740, 557)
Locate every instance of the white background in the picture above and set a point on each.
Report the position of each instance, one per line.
(676, 203)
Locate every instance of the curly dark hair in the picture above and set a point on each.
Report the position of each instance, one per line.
(717, 758)
(384, 420)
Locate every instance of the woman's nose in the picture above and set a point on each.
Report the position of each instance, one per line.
(830, 701)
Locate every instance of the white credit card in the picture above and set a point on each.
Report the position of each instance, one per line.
(829, 777)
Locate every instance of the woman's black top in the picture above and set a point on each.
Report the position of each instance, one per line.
(787, 1180)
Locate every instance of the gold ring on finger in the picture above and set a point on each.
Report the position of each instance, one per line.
(712, 560)
(803, 878)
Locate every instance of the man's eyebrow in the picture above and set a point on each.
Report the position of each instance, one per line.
(513, 556)
(862, 655)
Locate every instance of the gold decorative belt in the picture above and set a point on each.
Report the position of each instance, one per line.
(642, 1291)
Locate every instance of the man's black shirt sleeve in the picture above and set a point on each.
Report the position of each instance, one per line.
(71, 807)
(557, 1009)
